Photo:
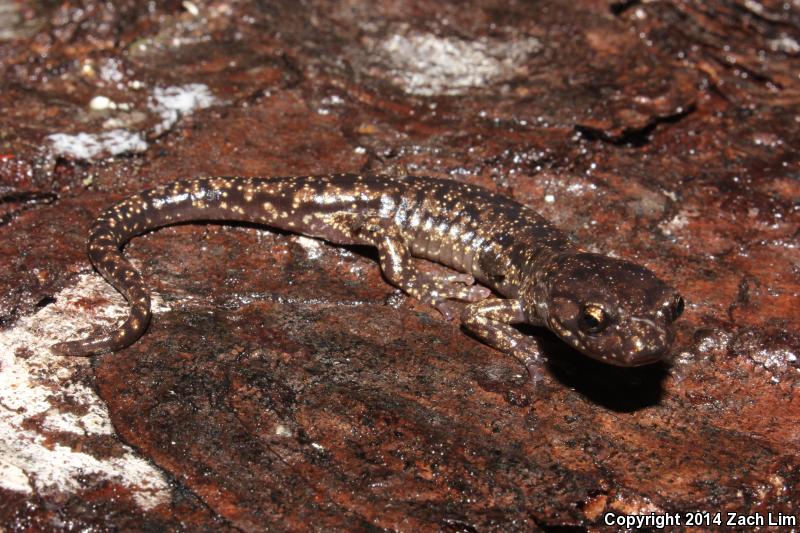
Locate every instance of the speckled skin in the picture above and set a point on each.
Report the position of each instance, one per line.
(609, 309)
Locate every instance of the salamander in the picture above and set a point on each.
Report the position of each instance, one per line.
(528, 271)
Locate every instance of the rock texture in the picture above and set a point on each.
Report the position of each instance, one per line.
(283, 385)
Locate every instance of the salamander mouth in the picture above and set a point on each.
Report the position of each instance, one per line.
(641, 348)
(627, 361)
(630, 359)
(644, 360)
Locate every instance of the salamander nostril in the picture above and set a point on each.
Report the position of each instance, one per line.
(677, 309)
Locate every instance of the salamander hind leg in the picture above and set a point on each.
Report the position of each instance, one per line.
(491, 320)
(397, 264)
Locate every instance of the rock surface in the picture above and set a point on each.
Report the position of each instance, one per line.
(283, 385)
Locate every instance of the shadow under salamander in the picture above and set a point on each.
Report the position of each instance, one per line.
(617, 388)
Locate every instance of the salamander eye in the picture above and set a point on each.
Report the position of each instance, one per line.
(593, 319)
(677, 307)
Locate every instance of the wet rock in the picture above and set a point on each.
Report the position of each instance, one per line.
(283, 385)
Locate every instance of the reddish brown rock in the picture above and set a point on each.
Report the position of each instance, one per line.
(283, 385)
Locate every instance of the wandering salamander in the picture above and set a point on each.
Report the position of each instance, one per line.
(609, 309)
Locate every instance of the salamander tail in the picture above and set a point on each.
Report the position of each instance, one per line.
(104, 251)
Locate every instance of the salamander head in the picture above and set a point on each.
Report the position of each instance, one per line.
(611, 310)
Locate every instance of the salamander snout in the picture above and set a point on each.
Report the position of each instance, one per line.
(645, 342)
(611, 310)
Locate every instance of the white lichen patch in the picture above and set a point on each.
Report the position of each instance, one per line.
(675, 224)
(776, 359)
(427, 64)
(34, 383)
(171, 103)
(786, 44)
(91, 145)
(111, 71)
(313, 247)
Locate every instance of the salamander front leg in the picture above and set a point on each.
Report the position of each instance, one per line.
(491, 320)
(433, 289)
